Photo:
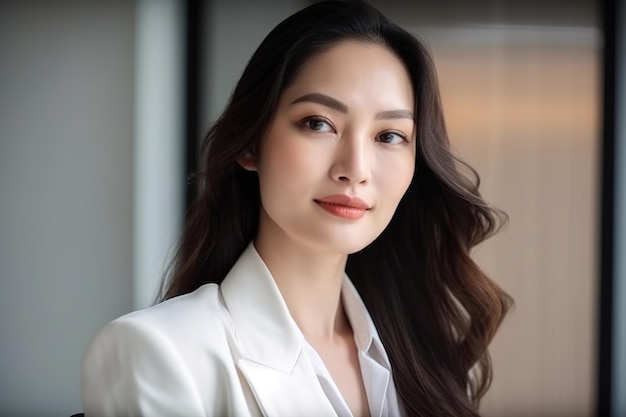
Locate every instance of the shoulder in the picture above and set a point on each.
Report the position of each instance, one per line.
(195, 319)
(180, 316)
(179, 348)
(187, 323)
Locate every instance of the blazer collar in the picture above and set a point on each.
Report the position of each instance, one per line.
(270, 344)
(265, 330)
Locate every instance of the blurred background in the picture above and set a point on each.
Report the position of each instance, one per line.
(102, 107)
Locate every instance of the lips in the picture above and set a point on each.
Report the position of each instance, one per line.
(343, 206)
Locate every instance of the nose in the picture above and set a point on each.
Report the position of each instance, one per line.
(351, 163)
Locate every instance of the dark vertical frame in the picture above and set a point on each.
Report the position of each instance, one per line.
(194, 15)
(607, 212)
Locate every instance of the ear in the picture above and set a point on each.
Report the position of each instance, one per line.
(248, 161)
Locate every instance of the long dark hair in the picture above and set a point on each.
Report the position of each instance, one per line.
(435, 310)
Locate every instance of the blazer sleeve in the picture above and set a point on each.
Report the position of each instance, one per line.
(131, 369)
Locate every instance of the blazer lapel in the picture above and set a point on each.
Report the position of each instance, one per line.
(269, 343)
(295, 393)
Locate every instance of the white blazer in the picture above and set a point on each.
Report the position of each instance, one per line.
(227, 350)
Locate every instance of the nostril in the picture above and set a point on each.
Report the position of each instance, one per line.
(343, 178)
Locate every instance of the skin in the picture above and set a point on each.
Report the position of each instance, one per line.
(344, 126)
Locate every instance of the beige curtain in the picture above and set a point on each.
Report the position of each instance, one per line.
(522, 106)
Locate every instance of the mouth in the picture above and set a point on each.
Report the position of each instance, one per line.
(344, 206)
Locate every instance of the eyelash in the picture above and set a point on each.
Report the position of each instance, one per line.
(305, 123)
(400, 135)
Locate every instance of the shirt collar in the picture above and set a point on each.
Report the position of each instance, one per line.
(365, 334)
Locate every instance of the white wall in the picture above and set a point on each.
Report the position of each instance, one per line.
(159, 146)
(66, 190)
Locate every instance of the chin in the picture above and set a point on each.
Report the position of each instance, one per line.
(343, 244)
(344, 239)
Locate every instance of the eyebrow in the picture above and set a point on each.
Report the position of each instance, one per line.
(395, 114)
(324, 100)
(328, 101)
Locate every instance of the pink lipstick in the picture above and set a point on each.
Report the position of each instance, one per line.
(343, 206)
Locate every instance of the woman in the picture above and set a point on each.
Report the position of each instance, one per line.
(330, 161)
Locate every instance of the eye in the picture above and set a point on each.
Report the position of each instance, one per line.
(317, 124)
(391, 138)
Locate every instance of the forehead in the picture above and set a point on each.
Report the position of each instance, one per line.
(354, 70)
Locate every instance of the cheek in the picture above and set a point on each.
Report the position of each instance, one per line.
(289, 157)
(288, 166)
(293, 162)
(395, 175)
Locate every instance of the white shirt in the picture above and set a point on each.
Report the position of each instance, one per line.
(375, 367)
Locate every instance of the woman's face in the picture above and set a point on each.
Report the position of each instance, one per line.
(340, 151)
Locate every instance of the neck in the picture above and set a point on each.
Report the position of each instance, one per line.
(310, 283)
